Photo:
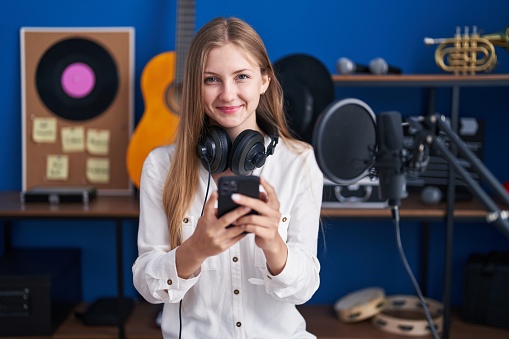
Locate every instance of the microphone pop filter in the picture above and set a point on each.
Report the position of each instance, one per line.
(344, 140)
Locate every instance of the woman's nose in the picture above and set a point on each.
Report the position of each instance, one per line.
(228, 92)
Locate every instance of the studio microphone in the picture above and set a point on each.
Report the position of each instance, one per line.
(390, 158)
(347, 66)
(380, 66)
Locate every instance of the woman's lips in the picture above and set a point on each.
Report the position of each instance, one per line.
(229, 109)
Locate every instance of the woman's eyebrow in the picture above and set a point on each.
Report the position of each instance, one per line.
(235, 72)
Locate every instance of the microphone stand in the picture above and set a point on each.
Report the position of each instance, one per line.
(499, 217)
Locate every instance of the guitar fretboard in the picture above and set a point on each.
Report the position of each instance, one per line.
(185, 32)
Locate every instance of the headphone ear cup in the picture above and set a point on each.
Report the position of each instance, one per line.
(215, 149)
(247, 153)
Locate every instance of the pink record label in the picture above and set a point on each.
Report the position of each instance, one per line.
(78, 80)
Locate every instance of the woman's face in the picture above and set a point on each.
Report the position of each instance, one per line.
(232, 86)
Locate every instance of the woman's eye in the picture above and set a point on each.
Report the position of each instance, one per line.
(242, 77)
(211, 79)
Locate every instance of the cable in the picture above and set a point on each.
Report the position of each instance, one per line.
(208, 186)
(202, 210)
(395, 217)
(180, 319)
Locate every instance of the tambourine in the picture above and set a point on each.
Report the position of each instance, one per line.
(360, 305)
(404, 315)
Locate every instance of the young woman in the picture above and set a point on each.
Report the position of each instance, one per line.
(217, 281)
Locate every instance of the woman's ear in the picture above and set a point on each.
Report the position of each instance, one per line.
(265, 83)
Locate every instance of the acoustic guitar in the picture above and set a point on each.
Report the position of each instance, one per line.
(161, 86)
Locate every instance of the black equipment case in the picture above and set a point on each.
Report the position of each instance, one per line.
(38, 289)
(486, 299)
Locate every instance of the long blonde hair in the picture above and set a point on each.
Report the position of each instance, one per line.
(183, 176)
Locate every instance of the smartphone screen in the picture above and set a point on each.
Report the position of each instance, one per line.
(245, 185)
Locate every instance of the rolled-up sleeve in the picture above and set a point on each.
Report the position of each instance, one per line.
(156, 278)
(154, 271)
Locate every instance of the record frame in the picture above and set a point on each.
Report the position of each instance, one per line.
(48, 55)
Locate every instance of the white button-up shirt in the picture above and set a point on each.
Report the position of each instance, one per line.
(233, 295)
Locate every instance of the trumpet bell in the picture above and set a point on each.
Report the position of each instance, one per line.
(500, 39)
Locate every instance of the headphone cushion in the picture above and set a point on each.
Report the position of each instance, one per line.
(218, 145)
(246, 146)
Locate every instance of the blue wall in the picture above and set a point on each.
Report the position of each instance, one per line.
(357, 254)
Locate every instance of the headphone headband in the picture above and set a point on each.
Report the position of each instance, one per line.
(217, 153)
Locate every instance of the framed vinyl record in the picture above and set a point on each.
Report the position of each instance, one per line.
(77, 107)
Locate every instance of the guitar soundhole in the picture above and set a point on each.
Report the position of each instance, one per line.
(173, 97)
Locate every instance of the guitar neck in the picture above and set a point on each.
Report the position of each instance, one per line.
(185, 32)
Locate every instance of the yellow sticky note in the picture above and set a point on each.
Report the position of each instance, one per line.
(73, 139)
(57, 167)
(98, 170)
(44, 130)
(98, 141)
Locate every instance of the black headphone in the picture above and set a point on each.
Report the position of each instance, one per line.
(215, 149)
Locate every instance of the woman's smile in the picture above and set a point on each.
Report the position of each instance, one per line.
(229, 109)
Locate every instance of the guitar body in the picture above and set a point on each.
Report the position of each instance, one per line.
(158, 124)
(161, 87)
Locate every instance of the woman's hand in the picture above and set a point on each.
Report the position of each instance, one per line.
(210, 237)
(264, 225)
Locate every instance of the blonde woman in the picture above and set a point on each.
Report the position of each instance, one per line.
(217, 281)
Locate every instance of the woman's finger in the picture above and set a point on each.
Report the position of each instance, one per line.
(272, 199)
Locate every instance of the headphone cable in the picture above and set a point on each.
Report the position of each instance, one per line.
(208, 186)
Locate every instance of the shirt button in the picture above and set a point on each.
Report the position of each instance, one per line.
(270, 278)
(235, 259)
(284, 219)
(169, 282)
(186, 220)
(236, 291)
(238, 324)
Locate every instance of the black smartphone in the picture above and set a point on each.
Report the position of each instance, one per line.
(245, 185)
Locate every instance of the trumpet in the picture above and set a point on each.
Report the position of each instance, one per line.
(468, 53)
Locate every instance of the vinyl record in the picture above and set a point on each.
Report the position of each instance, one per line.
(77, 79)
(308, 89)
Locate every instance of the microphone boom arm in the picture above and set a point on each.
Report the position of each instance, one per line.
(495, 215)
